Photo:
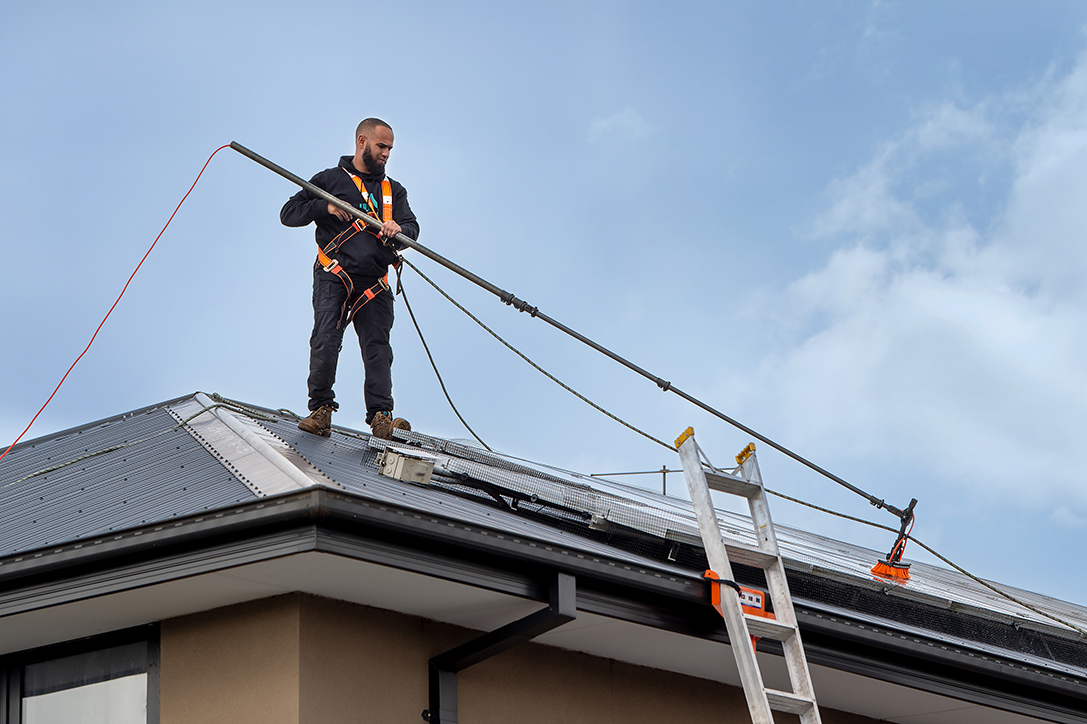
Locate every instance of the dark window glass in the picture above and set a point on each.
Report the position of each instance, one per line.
(107, 686)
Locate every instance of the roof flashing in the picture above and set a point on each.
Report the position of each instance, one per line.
(265, 463)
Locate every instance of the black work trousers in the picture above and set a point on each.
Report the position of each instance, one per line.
(372, 323)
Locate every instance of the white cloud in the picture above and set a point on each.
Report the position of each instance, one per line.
(1067, 518)
(950, 349)
(948, 126)
(627, 125)
(872, 201)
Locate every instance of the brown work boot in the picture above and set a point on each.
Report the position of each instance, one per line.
(319, 421)
(400, 423)
(381, 425)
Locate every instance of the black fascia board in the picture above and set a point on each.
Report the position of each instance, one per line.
(330, 521)
(318, 519)
(864, 641)
(502, 549)
(940, 668)
(118, 549)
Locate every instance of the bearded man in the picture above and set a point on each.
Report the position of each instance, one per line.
(350, 277)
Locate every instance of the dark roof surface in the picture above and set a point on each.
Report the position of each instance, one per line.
(200, 453)
(111, 475)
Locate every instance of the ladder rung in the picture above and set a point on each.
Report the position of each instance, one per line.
(733, 486)
(786, 702)
(750, 556)
(768, 628)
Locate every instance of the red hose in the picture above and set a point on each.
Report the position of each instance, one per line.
(115, 303)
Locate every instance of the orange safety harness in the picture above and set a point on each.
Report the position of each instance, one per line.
(332, 266)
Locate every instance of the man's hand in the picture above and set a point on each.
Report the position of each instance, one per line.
(389, 229)
(339, 213)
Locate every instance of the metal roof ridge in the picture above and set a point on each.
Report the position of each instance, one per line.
(263, 462)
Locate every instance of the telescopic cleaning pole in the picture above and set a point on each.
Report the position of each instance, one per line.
(523, 306)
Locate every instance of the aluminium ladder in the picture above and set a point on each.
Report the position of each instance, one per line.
(746, 482)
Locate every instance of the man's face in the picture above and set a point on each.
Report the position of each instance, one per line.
(376, 148)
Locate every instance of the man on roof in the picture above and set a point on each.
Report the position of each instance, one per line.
(350, 277)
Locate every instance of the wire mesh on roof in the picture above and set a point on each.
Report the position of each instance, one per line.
(823, 571)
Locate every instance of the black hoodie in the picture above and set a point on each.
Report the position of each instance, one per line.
(363, 256)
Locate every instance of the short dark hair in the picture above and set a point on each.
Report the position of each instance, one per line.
(366, 128)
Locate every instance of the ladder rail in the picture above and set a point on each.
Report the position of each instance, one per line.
(747, 483)
(750, 676)
(795, 659)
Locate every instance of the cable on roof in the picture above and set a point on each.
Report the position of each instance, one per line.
(547, 374)
(781, 495)
(855, 519)
(986, 584)
(957, 567)
(239, 407)
(426, 348)
(522, 306)
(100, 324)
(229, 405)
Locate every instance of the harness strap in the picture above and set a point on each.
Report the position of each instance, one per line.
(368, 198)
(333, 267)
(329, 264)
(366, 296)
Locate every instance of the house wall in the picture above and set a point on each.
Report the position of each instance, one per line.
(237, 664)
(309, 660)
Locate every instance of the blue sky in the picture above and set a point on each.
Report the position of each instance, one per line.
(855, 226)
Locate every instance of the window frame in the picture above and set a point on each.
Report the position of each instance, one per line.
(12, 667)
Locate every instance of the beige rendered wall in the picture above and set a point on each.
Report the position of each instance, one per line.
(238, 664)
(311, 660)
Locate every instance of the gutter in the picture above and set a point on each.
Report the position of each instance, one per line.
(323, 520)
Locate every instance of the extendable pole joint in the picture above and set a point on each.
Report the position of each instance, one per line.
(905, 515)
(519, 304)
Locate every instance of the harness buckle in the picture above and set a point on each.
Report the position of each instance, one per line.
(331, 263)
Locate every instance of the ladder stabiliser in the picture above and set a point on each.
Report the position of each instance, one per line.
(745, 610)
(761, 622)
